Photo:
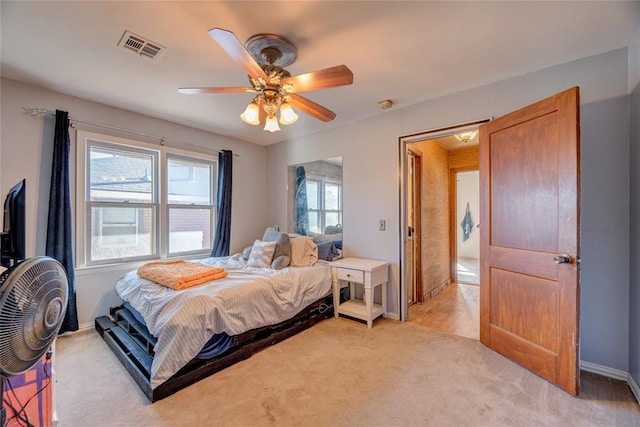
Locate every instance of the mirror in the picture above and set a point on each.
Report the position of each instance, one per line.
(319, 185)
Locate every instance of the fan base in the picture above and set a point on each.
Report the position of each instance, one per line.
(3, 411)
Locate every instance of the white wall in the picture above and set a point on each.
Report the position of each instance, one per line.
(468, 191)
(369, 193)
(371, 187)
(26, 150)
(634, 62)
(634, 128)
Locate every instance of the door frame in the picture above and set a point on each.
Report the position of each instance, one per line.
(417, 229)
(403, 142)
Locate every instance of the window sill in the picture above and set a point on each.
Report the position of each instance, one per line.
(127, 266)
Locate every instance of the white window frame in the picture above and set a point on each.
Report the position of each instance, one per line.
(321, 210)
(212, 164)
(86, 139)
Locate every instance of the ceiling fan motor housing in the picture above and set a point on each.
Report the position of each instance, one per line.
(271, 49)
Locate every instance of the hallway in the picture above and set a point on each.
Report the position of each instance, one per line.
(468, 271)
(455, 310)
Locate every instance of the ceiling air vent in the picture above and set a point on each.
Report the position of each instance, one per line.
(140, 45)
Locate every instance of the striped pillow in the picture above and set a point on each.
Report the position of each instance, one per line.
(261, 254)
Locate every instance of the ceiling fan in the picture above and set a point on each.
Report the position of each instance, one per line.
(263, 58)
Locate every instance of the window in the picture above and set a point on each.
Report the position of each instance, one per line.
(324, 199)
(141, 202)
(189, 199)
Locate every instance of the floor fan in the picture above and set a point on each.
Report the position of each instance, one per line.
(33, 301)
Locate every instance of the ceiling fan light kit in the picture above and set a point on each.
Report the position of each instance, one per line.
(271, 124)
(263, 57)
(251, 114)
(270, 101)
(287, 115)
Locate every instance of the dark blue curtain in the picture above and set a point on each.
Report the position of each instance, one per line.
(302, 206)
(59, 230)
(223, 218)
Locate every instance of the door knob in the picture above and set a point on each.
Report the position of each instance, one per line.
(562, 259)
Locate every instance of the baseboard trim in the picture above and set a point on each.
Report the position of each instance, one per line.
(634, 388)
(393, 316)
(615, 374)
(81, 327)
(605, 371)
(86, 326)
(427, 295)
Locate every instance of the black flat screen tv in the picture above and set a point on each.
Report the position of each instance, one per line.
(12, 238)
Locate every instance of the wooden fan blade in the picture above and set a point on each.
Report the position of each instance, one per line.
(339, 75)
(230, 43)
(202, 90)
(311, 108)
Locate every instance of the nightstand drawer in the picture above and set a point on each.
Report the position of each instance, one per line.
(346, 274)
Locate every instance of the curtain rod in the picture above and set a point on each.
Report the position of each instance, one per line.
(44, 112)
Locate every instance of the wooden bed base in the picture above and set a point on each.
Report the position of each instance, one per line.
(132, 344)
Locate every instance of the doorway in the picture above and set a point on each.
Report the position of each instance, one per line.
(447, 304)
(529, 283)
(467, 234)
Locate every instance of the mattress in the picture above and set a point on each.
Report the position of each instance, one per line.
(217, 344)
(248, 298)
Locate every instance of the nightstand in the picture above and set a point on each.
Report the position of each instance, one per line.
(365, 272)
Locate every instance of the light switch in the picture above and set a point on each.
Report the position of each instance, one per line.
(383, 225)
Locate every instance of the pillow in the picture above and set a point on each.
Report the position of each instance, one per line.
(283, 247)
(325, 237)
(246, 252)
(261, 254)
(327, 251)
(281, 262)
(333, 229)
(303, 252)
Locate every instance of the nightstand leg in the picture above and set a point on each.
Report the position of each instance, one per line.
(383, 288)
(368, 305)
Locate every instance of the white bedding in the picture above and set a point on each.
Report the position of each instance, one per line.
(183, 321)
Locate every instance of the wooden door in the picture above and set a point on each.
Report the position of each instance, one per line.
(529, 203)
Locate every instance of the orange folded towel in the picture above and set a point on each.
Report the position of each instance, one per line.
(180, 274)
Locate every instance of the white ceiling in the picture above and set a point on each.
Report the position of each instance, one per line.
(404, 51)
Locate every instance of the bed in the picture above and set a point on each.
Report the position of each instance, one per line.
(169, 339)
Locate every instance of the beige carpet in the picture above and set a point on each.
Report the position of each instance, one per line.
(338, 373)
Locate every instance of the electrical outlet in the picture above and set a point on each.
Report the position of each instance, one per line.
(383, 225)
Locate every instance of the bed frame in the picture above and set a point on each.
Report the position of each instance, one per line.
(133, 345)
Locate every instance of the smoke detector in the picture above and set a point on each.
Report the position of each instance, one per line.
(385, 104)
(140, 45)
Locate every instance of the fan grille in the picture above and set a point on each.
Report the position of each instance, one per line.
(33, 300)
